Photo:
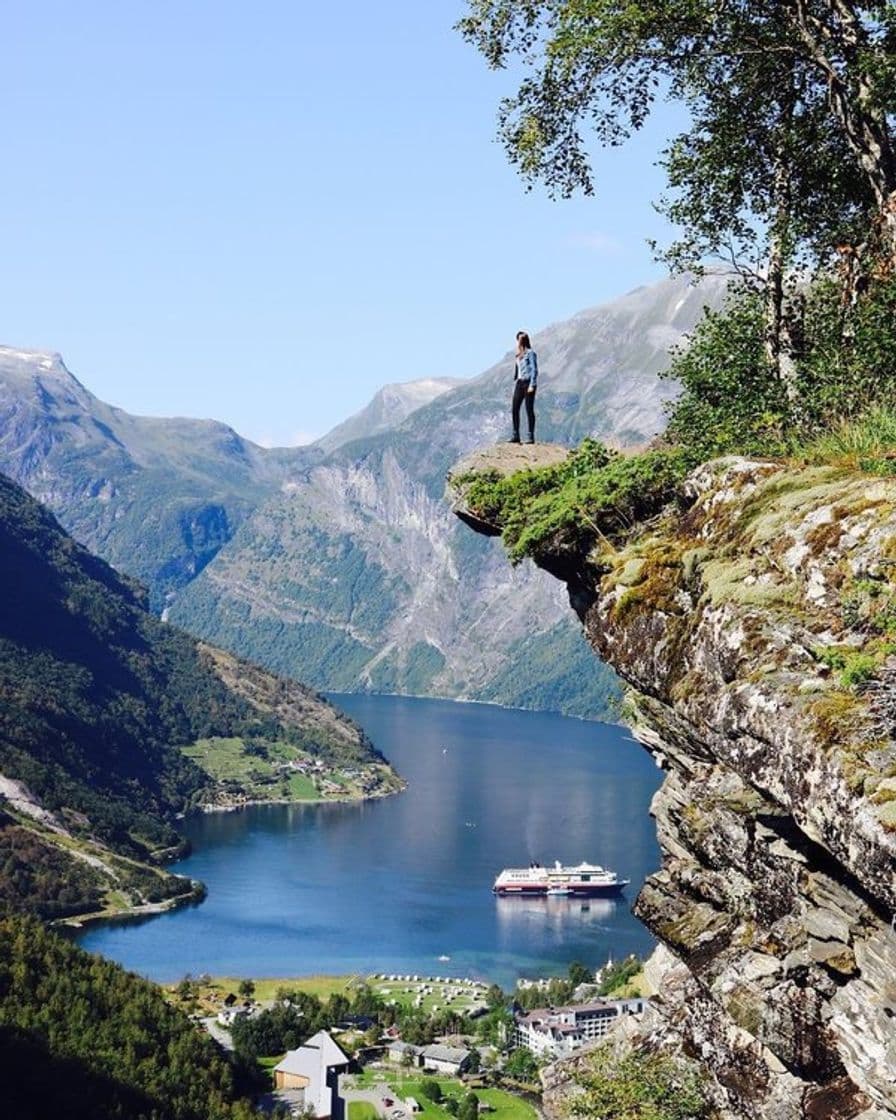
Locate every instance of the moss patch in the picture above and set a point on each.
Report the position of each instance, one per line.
(737, 581)
(886, 814)
(596, 494)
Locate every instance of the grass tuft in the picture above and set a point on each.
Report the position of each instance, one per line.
(865, 444)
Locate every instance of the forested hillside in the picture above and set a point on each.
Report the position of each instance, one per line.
(100, 700)
(83, 1039)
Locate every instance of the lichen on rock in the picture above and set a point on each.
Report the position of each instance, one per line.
(754, 621)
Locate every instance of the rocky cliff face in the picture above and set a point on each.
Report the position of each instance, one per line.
(754, 626)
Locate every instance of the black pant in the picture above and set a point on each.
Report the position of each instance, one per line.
(521, 393)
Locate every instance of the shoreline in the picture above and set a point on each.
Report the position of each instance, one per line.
(472, 700)
(208, 810)
(283, 964)
(198, 891)
(196, 894)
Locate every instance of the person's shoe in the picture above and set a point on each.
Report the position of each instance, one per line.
(514, 439)
(531, 439)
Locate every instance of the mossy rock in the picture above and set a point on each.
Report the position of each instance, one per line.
(886, 814)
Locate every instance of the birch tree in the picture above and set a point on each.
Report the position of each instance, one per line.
(789, 157)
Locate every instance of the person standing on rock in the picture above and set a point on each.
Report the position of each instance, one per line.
(525, 382)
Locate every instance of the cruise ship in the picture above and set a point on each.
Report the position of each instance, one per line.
(583, 879)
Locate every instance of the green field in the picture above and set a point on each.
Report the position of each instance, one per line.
(260, 776)
(506, 1106)
(634, 986)
(361, 1110)
(211, 994)
(302, 788)
(267, 1064)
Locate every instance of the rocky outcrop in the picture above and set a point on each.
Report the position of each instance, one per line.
(754, 625)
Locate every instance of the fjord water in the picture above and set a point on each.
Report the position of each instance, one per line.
(397, 884)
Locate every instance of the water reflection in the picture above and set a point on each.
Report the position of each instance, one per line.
(534, 915)
(560, 922)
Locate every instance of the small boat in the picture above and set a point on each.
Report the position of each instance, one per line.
(558, 891)
(444, 958)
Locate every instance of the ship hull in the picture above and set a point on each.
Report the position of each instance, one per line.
(574, 890)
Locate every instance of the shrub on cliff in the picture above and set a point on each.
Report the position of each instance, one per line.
(846, 359)
(638, 1085)
(730, 402)
(843, 359)
(595, 492)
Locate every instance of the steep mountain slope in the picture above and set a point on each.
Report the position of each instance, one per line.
(754, 623)
(390, 406)
(100, 704)
(155, 497)
(356, 575)
(84, 1039)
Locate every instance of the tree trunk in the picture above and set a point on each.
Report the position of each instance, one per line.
(888, 227)
(776, 349)
(774, 305)
(851, 98)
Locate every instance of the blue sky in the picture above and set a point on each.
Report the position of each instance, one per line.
(263, 212)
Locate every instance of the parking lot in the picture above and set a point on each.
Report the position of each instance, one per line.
(381, 1097)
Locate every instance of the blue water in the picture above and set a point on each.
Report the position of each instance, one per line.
(392, 885)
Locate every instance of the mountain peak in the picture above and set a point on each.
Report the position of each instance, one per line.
(390, 406)
(42, 377)
(34, 363)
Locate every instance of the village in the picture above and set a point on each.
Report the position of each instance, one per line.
(246, 772)
(393, 1046)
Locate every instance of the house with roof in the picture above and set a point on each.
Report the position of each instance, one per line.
(445, 1059)
(402, 1052)
(310, 1076)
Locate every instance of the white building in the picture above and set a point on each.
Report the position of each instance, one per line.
(559, 1031)
(310, 1076)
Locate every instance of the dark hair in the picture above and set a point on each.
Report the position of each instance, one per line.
(523, 339)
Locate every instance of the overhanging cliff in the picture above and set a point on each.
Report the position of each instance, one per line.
(754, 621)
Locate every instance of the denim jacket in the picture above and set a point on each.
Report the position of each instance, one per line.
(526, 368)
